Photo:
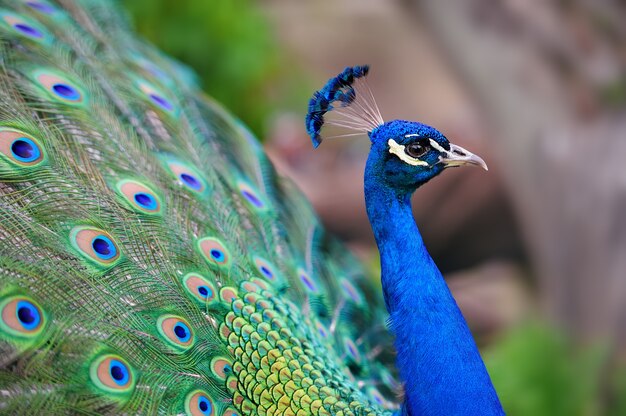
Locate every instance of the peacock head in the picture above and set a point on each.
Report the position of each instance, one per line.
(407, 154)
(404, 154)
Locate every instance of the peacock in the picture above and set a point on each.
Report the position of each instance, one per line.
(153, 262)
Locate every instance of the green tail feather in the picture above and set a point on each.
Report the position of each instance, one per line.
(151, 260)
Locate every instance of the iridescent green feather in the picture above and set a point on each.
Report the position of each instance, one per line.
(114, 168)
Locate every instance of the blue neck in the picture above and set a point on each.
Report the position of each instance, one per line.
(439, 362)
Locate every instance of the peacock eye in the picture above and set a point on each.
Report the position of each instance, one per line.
(417, 149)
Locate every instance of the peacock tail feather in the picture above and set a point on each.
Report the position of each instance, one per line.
(151, 260)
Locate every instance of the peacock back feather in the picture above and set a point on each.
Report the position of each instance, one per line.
(151, 260)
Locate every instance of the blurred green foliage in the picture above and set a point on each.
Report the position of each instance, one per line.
(539, 372)
(230, 45)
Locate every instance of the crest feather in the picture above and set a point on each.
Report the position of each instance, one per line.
(347, 102)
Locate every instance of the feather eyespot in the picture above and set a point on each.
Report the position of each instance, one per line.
(25, 150)
(20, 148)
(214, 251)
(321, 330)
(112, 373)
(60, 88)
(230, 412)
(21, 316)
(156, 97)
(25, 27)
(306, 281)
(351, 350)
(378, 398)
(187, 176)
(199, 287)
(139, 196)
(95, 245)
(350, 291)
(221, 367)
(198, 403)
(42, 7)
(28, 30)
(251, 196)
(176, 331)
(264, 268)
(388, 380)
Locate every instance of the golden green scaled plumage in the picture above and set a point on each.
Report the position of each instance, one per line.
(151, 260)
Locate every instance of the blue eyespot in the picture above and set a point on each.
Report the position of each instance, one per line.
(161, 102)
(190, 181)
(217, 255)
(155, 96)
(60, 87)
(146, 201)
(96, 245)
(204, 405)
(350, 291)
(25, 150)
(204, 291)
(20, 148)
(308, 283)
(214, 251)
(182, 332)
(200, 288)
(251, 196)
(21, 317)
(322, 330)
(112, 373)
(187, 176)
(265, 268)
(140, 196)
(104, 247)
(352, 350)
(65, 91)
(25, 27)
(176, 331)
(28, 315)
(119, 372)
(41, 7)
(198, 403)
(28, 30)
(253, 199)
(375, 394)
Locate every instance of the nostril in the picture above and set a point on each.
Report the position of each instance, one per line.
(458, 152)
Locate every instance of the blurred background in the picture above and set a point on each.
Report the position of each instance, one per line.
(535, 249)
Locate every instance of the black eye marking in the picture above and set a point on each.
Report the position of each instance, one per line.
(418, 148)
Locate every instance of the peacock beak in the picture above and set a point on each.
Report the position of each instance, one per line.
(457, 156)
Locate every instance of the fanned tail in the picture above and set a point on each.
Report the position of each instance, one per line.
(151, 260)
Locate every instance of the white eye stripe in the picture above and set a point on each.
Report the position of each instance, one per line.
(437, 146)
(398, 150)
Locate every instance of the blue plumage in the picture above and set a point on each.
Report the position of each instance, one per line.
(437, 358)
(152, 262)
